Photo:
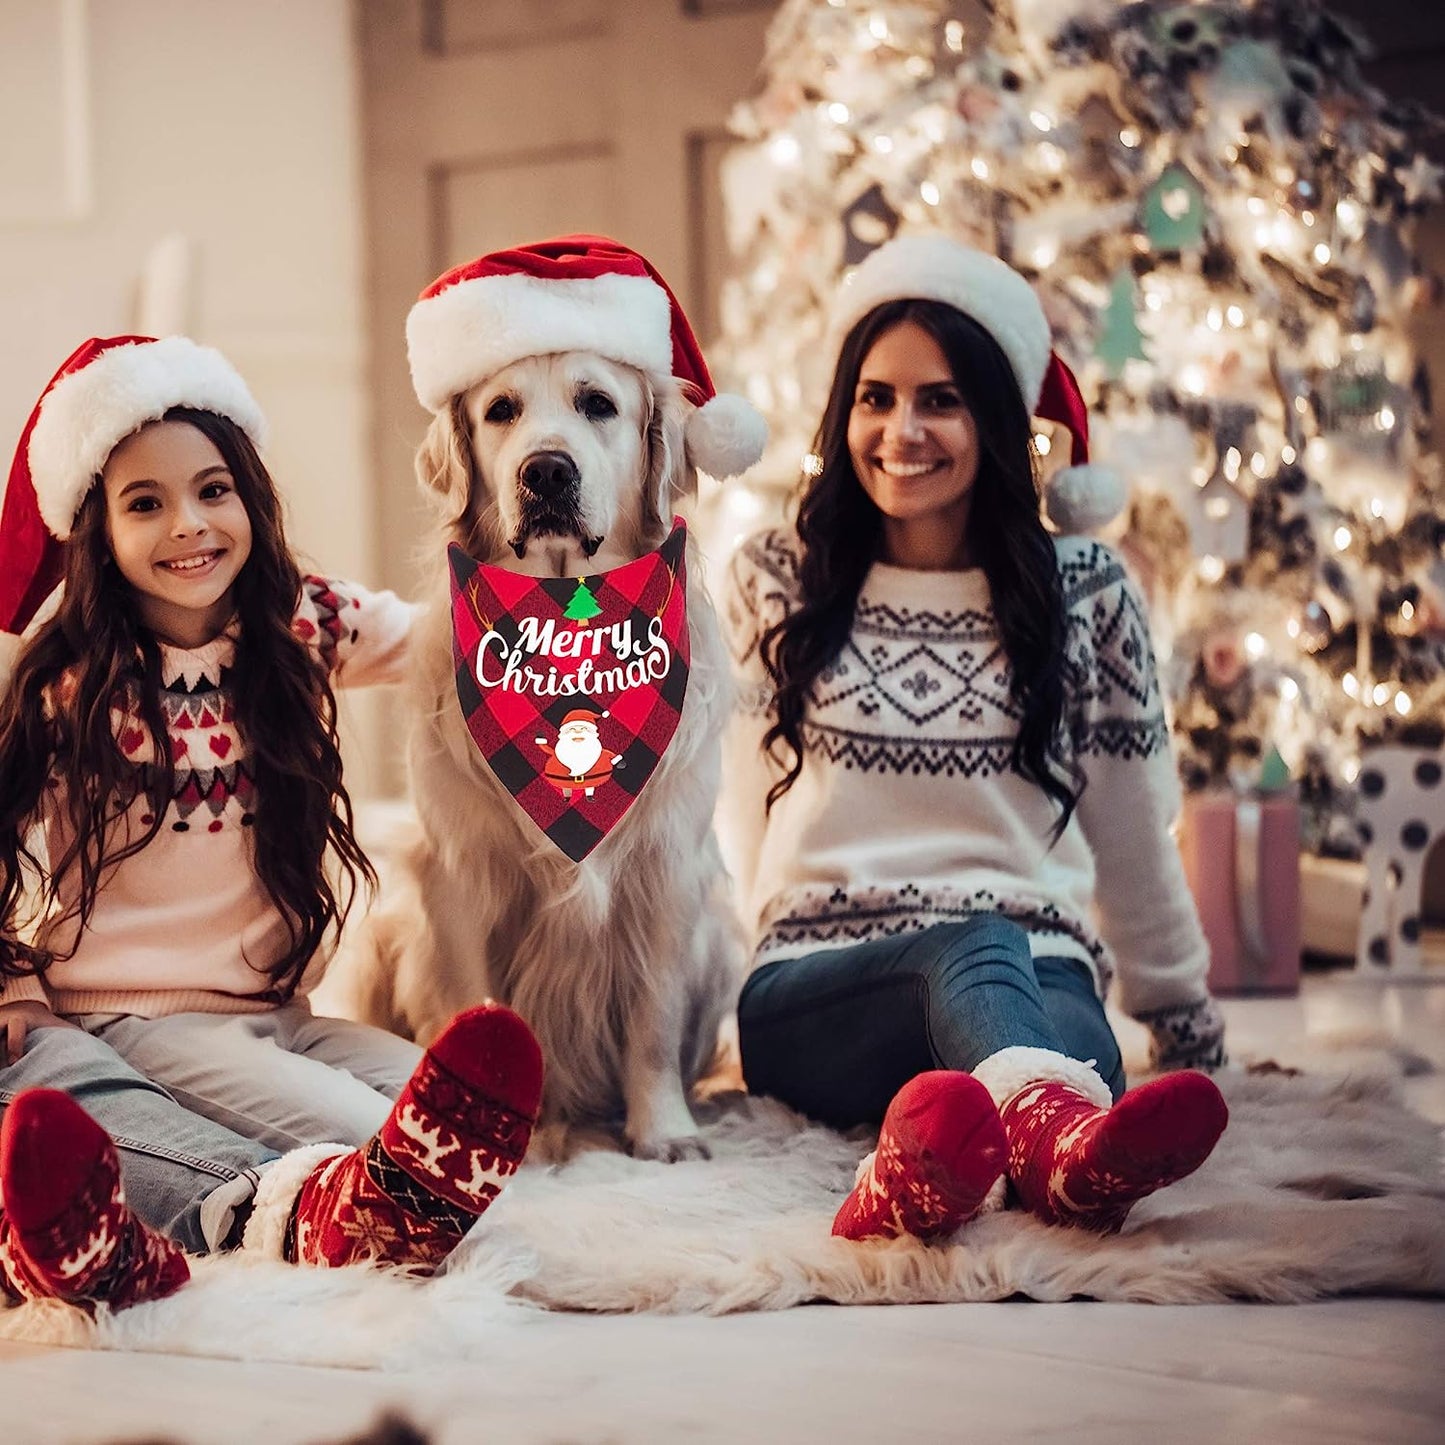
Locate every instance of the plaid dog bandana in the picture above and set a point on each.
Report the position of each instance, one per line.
(572, 687)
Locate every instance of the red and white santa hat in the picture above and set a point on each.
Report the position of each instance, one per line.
(582, 715)
(1079, 497)
(105, 390)
(574, 293)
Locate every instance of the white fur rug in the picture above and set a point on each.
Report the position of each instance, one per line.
(1320, 1186)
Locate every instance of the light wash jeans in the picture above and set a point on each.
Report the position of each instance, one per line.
(285, 1078)
(183, 1175)
(838, 1032)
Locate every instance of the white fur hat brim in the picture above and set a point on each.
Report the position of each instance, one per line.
(937, 268)
(475, 328)
(85, 414)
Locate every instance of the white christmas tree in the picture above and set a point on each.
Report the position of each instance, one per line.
(1216, 211)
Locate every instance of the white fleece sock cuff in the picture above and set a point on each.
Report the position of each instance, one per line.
(1003, 1074)
(280, 1183)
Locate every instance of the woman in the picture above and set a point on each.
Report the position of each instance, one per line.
(953, 760)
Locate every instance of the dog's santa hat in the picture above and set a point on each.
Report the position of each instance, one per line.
(106, 388)
(574, 293)
(1079, 497)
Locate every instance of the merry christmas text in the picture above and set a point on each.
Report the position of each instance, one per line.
(633, 662)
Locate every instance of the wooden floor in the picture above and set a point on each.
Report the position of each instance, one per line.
(1348, 1371)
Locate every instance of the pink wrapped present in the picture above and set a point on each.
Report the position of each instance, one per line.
(1241, 856)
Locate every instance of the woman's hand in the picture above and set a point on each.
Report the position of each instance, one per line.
(17, 1019)
(1186, 1036)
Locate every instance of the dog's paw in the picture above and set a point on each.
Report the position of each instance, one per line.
(670, 1151)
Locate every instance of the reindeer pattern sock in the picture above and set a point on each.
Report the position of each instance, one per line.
(1072, 1162)
(66, 1231)
(456, 1134)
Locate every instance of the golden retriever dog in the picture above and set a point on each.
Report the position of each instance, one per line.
(624, 964)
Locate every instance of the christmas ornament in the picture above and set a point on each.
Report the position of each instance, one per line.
(867, 224)
(573, 713)
(1120, 341)
(1173, 213)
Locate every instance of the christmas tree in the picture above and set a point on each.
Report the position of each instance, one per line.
(582, 605)
(1216, 211)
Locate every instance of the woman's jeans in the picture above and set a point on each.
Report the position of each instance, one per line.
(183, 1175)
(836, 1033)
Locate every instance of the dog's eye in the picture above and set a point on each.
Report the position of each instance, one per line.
(596, 406)
(502, 410)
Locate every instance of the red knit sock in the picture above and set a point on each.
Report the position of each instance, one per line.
(940, 1150)
(1074, 1163)
(453, 1138)
(66, 1231)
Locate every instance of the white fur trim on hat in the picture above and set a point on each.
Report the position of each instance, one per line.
(937, 268)
(1003, 1074)
(726, 436)
(473, 329)
(276, 1193)
(85, 414)
(1085, 498)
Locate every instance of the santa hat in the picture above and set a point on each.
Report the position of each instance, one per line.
(1081, 496)
(106, 389)
(581, 714)
(575, 293)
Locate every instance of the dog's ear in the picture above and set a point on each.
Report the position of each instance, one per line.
(444, 462)
(670, 476)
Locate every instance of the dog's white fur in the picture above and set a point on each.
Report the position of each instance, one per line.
(625, 964)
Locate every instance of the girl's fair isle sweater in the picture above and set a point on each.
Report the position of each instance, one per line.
(907, 812)
(184, 925)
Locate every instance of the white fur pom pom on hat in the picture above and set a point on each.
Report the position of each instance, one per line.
(725, 436)
(1085, 498)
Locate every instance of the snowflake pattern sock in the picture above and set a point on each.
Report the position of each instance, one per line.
(940, 1151)
(1072, 1162)
(66, 1231)
(458, 1131)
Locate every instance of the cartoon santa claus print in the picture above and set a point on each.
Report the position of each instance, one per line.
(576, 762)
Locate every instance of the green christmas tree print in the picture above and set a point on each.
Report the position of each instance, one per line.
(583, 606)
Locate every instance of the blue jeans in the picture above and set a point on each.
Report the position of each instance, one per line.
(183, 1175)
(287, 1077)
(836, 1033)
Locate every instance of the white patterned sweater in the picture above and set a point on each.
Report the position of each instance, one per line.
(907, 812)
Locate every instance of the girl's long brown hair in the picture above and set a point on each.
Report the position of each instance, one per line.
(56, 727)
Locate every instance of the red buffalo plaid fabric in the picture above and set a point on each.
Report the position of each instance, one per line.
(530, 651)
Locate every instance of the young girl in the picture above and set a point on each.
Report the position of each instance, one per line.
(951, 792)
(175, 848)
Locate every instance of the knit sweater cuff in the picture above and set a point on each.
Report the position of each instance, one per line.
(25, 989)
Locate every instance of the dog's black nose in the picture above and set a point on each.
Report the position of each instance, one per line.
(549, 474)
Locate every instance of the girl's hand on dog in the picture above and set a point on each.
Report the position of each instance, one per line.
(17, 1019)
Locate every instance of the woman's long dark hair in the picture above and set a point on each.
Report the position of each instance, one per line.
(841, 531)
(94, 655)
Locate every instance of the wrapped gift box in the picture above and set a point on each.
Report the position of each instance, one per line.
(1242, 858)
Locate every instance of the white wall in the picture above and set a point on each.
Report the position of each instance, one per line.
(234, 126)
